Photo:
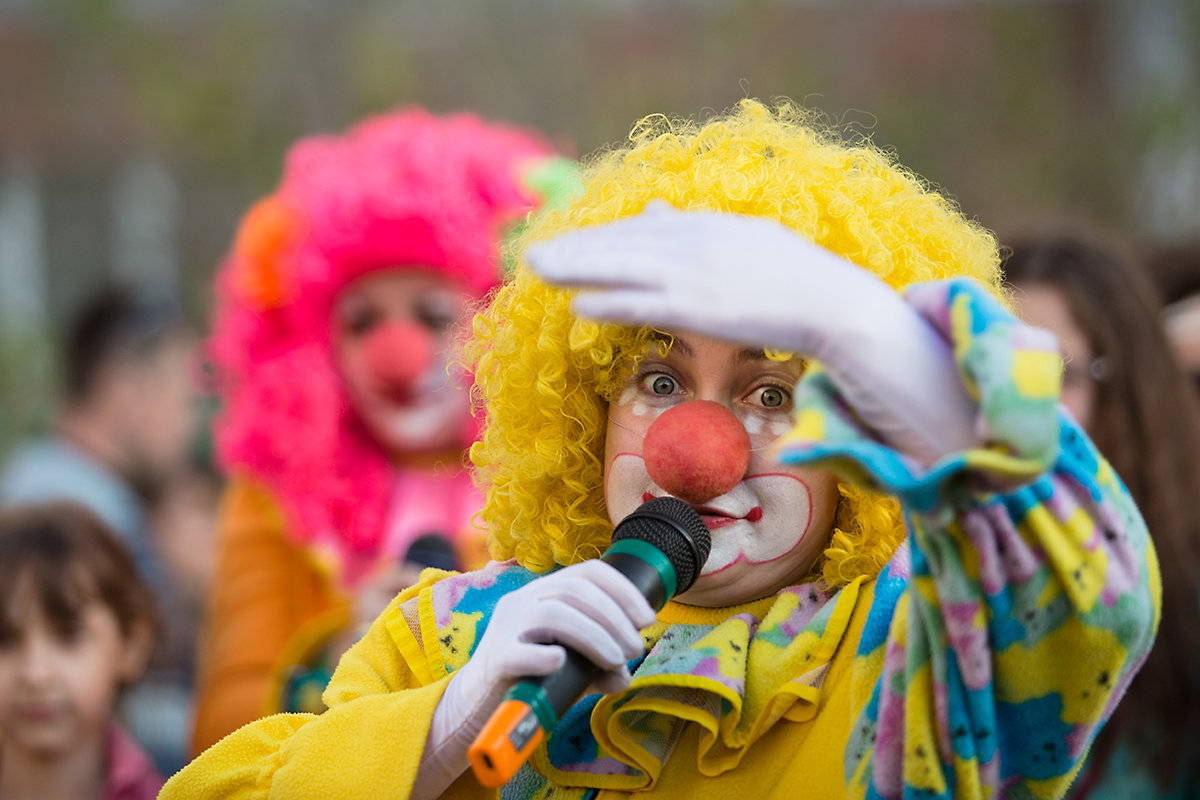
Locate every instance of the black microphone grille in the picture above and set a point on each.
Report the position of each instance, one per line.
(675, 528)
(433, 550)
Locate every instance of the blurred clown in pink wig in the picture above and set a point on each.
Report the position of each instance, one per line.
(345, 418)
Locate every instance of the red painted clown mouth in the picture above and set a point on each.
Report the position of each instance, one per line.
(715, 518)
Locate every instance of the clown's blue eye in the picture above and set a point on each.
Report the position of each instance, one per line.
(662, 384)
(772, 397)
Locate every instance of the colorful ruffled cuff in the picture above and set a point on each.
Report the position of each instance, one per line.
(1011, 370)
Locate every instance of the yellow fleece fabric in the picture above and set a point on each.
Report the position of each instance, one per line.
(380, 730)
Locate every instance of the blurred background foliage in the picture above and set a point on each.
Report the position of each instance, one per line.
(134, 133)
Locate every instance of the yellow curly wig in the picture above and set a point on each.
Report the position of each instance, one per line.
(546, 376)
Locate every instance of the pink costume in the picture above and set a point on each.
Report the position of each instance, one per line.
(315, 503)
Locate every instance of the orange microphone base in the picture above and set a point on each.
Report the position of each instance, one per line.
(506, 742)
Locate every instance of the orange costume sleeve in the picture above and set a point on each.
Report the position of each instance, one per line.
(272, 607)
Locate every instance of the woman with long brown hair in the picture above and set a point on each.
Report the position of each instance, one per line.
(1124, 387)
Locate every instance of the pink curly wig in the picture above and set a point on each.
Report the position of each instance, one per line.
(401, 189)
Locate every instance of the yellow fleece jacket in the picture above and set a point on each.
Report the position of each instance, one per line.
(379, 728)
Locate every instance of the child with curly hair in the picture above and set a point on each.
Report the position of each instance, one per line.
(77, 625)
(344, 425)
(923, 580)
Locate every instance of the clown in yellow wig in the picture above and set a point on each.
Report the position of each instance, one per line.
(922, 580)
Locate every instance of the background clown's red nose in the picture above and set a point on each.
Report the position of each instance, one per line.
(398, 354)
(697, 451)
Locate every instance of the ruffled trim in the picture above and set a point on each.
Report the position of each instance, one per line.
(734, 672)
(735, 680)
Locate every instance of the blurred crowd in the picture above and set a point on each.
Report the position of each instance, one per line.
(135, 451)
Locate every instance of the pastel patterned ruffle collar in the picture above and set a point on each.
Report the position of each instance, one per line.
(735, 672)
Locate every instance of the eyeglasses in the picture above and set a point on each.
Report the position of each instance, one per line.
(1076, 371)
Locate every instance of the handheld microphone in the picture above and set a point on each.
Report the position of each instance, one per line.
(433, 550)
(661, 547)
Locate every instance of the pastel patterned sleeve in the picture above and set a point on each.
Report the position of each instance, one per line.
(989, 663)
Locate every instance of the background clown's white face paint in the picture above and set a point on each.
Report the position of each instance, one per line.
(410, 403)
(768, 529)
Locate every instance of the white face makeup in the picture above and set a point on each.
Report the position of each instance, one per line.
(769, 529)
(433, 412)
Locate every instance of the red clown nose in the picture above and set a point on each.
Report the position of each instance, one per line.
(398, 354)
(697, 450)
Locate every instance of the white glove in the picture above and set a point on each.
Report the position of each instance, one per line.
(753, 281)
(590, 607)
